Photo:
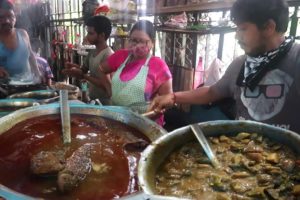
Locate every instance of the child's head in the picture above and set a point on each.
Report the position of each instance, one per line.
(98, 27)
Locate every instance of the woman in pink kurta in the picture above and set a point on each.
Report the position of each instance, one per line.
(138, 76)
(158, 73)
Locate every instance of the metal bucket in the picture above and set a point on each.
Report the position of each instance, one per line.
(156, 153)
(143, 124)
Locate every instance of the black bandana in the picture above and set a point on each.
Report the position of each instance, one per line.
(256, 67)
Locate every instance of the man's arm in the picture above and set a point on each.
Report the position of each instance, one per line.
(103, 81)
(32, 61)
(203, 95)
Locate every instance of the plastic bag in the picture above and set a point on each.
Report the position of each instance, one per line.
(177, 21)
(122, 11)
(214, 72)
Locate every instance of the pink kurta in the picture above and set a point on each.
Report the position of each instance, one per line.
(158, 73)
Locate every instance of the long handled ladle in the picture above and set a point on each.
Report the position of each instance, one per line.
(205, 145)
(65, 116)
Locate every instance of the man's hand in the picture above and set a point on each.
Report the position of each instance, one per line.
(160, 103)
(73, 72)
(3, 73)
(69, 65)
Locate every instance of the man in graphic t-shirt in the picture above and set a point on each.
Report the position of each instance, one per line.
(265, 82)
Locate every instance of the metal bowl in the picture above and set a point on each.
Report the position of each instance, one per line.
(144, 125)
(37, 94)
(156, 153)
(10, 105)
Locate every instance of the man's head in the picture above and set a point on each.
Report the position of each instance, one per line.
(7, 16)
(258, 22)
(98, 29)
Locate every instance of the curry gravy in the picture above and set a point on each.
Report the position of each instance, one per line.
(253, 167)
(113, 172)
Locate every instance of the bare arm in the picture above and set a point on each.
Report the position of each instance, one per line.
(165, 88)
(104, 67)
(32, 61)
(203, 95)
(103, 81)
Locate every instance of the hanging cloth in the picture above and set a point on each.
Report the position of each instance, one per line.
(132, 92)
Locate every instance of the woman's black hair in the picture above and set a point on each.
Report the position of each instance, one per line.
(101, 24)
(146, 26)
(260, 11)
(6, 5)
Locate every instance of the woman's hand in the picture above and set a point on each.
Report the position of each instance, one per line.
(160, 103)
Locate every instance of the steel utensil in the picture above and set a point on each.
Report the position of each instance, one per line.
(160, 149)
(50, 100)
(7, 193)
(65, 116)
(37, 94)
(149, 114)
(143, 196)
(205, 145)
(147, 127)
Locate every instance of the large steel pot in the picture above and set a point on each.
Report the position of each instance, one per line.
(154, 155)
(143, 124)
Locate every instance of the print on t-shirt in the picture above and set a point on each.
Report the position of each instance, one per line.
(268, 98)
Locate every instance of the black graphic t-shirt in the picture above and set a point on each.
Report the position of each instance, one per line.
(276, 98)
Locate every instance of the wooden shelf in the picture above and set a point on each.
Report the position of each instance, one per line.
(293, 2)
(119, 36)
(204, 6)
(213, 30)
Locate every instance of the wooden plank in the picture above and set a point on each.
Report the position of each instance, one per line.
(214, 30)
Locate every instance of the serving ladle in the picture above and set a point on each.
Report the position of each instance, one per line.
(205, 145)
(65, 116)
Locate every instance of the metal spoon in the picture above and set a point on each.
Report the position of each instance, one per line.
(65, 116)
(205, 145)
